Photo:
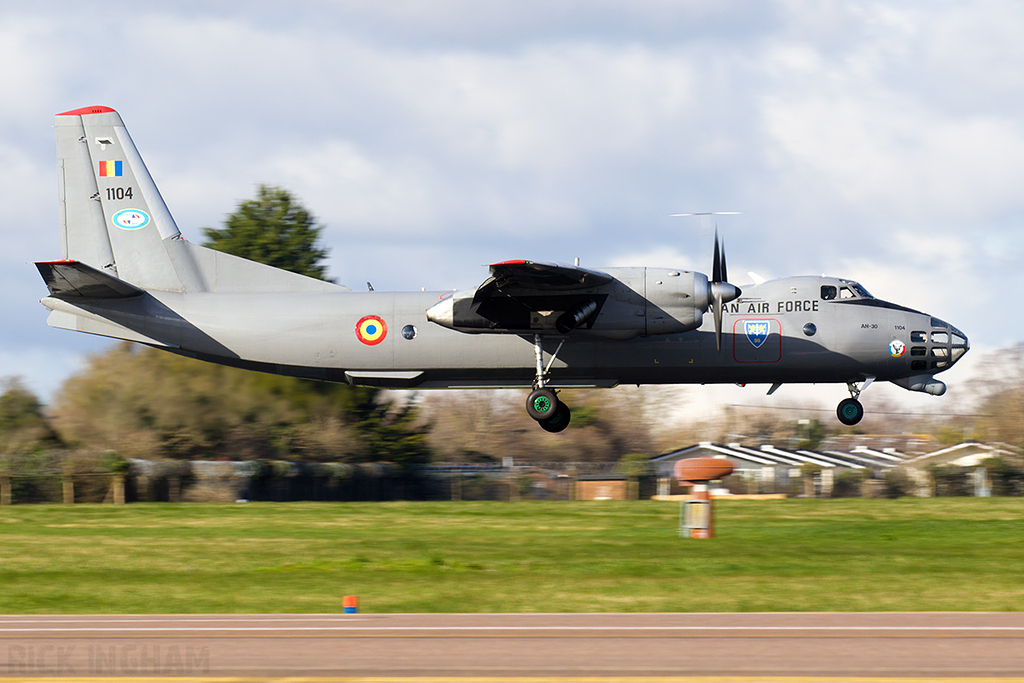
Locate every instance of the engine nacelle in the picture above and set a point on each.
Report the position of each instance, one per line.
(676, 300)
(635, 302)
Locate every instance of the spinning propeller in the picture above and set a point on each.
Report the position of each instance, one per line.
(720, 292)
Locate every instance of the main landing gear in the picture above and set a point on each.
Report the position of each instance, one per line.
(543, 405)
(850, 411)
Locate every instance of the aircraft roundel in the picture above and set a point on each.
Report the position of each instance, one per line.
(897, 348)
(371, 330)
(131, 219)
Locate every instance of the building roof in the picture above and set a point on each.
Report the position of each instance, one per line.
(967, 454)
(859, 456)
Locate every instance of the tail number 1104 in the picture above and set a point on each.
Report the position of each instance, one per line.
(119, 193)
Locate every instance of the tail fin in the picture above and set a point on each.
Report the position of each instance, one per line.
(113, 218)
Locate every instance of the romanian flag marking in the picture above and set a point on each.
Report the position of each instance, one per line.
(371, 330)
(111, 169)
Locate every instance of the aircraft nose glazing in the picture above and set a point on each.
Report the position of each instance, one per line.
(960, 344)
(947, 345)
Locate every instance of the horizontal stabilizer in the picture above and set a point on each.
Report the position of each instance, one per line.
(75, 280)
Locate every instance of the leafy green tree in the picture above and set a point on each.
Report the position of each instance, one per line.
(1002, 392)
(393, 433)
(275, 229)
(812, 435)
(634, 465)
(146, 403)
(23, 427)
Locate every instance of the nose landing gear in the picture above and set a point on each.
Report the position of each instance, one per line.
(850, 411)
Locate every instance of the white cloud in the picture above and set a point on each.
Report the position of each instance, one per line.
(893, 156)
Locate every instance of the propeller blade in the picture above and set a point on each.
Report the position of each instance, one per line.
(716, 266)
(725, 273)
(719, 289)
(718, 321)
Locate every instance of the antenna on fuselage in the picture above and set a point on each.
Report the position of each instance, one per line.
(709, 213)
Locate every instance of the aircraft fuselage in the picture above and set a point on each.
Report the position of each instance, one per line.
(780, 331)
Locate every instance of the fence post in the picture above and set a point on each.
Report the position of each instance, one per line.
(455, 479)
(5, 489)
(68, 483)
(117, 489)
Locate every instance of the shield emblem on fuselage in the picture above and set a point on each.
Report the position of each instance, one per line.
(757, 332)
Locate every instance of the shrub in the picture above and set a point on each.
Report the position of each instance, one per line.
(847, 483)
(114, 463)
(1007, 477)
(951, 480)
(897, 484)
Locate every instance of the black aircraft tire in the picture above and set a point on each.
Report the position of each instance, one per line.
(558, 421)
(850, 411)
(541, 404)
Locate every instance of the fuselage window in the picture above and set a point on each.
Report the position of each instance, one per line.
(845, 293)
(828, 292)
(918, 351)
(940, 337)
(917, 337)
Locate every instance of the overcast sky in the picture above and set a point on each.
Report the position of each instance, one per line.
(878, 141)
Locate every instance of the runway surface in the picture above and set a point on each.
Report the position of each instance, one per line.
(518, 647)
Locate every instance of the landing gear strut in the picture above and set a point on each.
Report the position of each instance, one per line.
(850, 411)
(543, 404)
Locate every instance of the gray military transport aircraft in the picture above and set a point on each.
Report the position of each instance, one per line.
(126, 272)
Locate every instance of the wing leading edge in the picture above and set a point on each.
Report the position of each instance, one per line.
(536, 277)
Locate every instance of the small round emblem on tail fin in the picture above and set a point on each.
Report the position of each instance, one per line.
(131, 219)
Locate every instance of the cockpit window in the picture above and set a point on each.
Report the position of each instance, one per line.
(828, 292)
(861, 292)
(851, 290)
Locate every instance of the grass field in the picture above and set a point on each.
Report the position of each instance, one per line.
(791, 555)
